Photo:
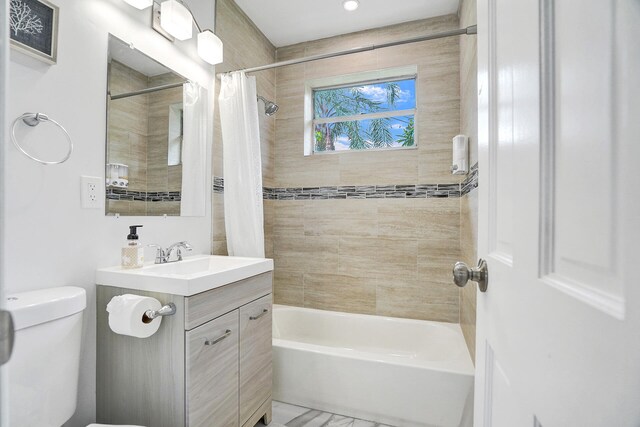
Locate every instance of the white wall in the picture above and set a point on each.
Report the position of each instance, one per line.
(49, 240)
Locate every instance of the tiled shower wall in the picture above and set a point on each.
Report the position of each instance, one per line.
(469, 202)
(387, 256)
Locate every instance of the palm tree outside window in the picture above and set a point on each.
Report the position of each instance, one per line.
(365, 116)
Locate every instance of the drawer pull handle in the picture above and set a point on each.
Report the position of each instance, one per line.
(217, 340)
(265, 311)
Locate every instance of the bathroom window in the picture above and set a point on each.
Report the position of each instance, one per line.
(370, 114)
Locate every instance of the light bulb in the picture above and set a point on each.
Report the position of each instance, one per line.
(350, 5)
(176, 19)
(210, 47)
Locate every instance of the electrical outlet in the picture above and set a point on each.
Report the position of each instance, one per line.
(91, 192)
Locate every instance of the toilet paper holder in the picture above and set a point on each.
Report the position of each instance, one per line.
(166, 310)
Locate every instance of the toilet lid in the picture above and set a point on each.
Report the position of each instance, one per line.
(111, 425)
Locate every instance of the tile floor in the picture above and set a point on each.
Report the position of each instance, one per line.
(285, 415)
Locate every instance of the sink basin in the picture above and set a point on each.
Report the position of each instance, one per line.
(190, 276)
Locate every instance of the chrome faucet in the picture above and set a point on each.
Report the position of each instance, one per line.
(179, 246)
(163, 255)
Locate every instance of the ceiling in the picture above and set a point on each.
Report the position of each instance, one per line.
(287, 22)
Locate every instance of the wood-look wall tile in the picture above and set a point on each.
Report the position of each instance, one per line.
(163, 208)
(121, 207)
(379, 167)
(438, 219)
(436, 258)
(397, 218)
(353, 294)
(468, 203)
(341, 218)
(414, 28)
(306, 253)
(377, 256)
(413, 303)
(289, 218)
(288, 287)
(218, 225)
(341, 65)
(219, 247)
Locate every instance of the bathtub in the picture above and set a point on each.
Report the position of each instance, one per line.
(400, 372)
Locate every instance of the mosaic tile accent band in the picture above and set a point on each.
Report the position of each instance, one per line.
(470, 182)
(143, 196)
(412, 191)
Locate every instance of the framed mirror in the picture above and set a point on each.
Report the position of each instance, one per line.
(156, 126)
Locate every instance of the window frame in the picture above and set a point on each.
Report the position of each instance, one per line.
(349, 80)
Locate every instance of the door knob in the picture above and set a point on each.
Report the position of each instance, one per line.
(462, 274)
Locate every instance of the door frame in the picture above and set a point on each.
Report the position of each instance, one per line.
(4, 77)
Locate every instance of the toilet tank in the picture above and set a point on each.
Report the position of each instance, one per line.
(44, 367)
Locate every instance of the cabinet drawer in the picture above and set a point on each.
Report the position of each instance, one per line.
(212, 373)
(208, 305)
(255, 356)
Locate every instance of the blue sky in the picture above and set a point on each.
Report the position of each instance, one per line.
(407, 100)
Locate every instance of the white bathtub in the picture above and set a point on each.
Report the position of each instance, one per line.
(400, 372)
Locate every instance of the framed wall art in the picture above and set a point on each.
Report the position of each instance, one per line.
(33, 27)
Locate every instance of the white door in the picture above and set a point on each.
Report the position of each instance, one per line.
(558, 341)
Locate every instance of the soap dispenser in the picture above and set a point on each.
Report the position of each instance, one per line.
(133, 252)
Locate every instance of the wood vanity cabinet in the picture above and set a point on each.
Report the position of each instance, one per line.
(209, 365)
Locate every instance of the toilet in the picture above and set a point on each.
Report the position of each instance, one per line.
(45, 364)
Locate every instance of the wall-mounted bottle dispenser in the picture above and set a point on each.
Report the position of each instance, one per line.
(460, 155)
(117, 175)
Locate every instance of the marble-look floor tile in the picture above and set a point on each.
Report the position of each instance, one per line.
(311, 418)
(286, 415)
(362, 423)
(283, 412)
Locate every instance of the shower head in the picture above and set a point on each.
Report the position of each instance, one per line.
(270, 108)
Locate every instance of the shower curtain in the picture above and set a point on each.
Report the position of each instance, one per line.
(243, 214)
(194, 150)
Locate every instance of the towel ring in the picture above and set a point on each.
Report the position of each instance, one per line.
(34, 119)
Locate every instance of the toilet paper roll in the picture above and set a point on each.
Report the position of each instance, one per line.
(127, 315)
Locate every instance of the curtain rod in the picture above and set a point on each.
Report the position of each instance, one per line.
(470, 30)
(148, 90)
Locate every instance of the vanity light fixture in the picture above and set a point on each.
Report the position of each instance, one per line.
(140, 4)
(350, 5)
(177, 19)
(210, 47)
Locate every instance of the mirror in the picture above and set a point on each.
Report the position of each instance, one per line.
(154, 139)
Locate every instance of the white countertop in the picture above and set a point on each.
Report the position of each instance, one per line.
(192, 275)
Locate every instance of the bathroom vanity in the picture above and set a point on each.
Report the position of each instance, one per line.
(207, 365)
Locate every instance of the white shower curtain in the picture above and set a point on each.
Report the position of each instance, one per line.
(243, 213)
(194, 150)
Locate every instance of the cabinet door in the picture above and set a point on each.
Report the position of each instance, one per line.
(255, 356)
(212, 373)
